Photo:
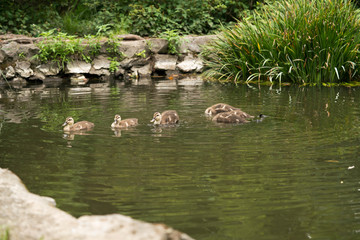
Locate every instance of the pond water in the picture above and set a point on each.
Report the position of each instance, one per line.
(294, 175)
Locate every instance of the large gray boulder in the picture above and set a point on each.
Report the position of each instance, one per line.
(142, 70)
(32, 217)
(131, 48)
(191, 64)
(157, 45)
(195, 44)
(9, 72)
(100, 66)
(77, 66)
(11, 49)
(23, 69)
(165, 62)
(49, 69)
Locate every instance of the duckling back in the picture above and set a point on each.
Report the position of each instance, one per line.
(219, 108)
(125, 123)
(169, 117)
(236, 116)
(82, 125)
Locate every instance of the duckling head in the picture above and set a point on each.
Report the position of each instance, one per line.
(117, 119)
(209, 111)
(156, 118)
(69, 121)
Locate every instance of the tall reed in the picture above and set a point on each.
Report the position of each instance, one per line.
(301, 41)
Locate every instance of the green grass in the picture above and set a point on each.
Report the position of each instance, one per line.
(4, 233)
(300, 41)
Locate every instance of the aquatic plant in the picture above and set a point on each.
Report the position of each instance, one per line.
(307, 42)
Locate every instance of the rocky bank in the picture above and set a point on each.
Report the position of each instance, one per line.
(25, 215)
(140, 58)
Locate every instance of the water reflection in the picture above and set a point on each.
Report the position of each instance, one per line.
(295, 175)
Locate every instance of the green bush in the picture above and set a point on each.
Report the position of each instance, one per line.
(143, 17)
(151, 18)
(300, 41)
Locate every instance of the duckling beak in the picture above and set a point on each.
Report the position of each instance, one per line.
(152, 120)
(64, 124)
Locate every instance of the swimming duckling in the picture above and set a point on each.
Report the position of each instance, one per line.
(118, 123)
(167, 117)
(218, 108)
(70, 126)
(235, 116)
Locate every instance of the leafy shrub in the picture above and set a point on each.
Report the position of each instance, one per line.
(295, 40)
(61, 48)
(144, 17)
(174, 40)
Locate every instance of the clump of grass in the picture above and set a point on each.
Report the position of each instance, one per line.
(4, 233)
(301, 41)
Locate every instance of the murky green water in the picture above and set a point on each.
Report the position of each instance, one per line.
(293, 176)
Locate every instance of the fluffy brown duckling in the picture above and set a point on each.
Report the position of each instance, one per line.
(167, 117)
(70, 126)
(219, 108)
(235, 116)
(118, 123)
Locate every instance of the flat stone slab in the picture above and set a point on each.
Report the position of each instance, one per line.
(191, 64)
(49, 69)
(165, 62)
(29, 216)
(77, 67)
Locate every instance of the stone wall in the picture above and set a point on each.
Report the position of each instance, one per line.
(24, 215)
(18, 65)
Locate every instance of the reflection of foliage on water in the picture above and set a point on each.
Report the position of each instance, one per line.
(54, 115)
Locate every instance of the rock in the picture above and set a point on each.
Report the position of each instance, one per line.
(28, 51)
(157, 45)
(101, 65)
(49, 69)
(119, 72)
(131, 48)
(23, 69)
(100, 62)
(165, 62)
(11, 49)
(194, 44)
(77, 66)
(191, 64)
(129, 37)
(143, 71)
(38, 76)
(2, 56)
(9, 72)
(32, 217)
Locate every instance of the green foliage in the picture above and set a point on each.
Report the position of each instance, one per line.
(113, 49)
(61, 48)
(114, 64)
(143, 17)
(4, 233)
(174, 40)
(141, 54)
(296, 40)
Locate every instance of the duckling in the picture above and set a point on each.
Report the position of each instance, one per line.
(167, 117)
(118, 123)
(235, 116)
(218, 108)
(70, 126)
